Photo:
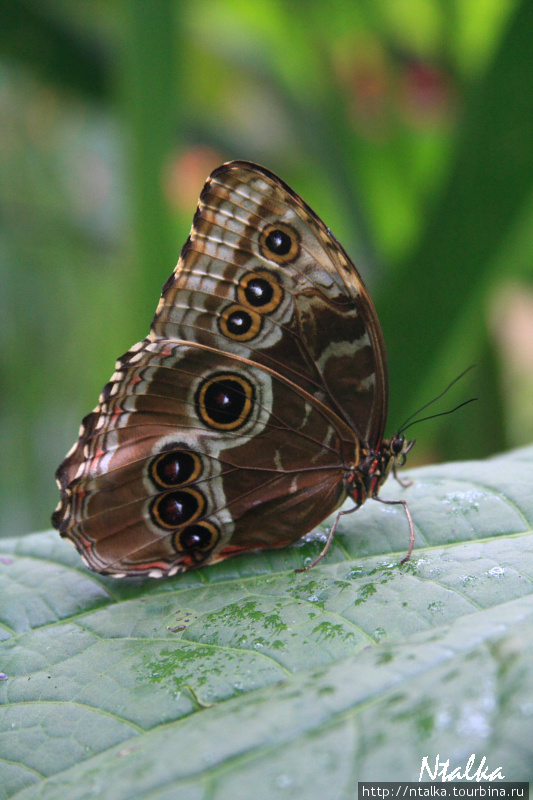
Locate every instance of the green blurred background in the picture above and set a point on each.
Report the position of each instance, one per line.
(406, 124)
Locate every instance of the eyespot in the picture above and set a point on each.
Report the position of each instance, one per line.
(279, 243)
(200, 537)
(172, 509)
(260, 290)
(225, 401)
(175, 468)
(239, 323)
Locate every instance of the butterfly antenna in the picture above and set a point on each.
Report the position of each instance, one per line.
(441, 414)
(408, 423)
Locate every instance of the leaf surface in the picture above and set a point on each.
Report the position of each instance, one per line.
(247, 675)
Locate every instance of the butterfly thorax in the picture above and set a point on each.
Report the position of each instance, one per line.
(366, 478)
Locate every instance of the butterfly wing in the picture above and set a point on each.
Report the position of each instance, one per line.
(232, 425)
(192, 456)
(261, 276)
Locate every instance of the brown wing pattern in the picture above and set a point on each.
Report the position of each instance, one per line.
(320, 328)
(231, 427)
(153, 464)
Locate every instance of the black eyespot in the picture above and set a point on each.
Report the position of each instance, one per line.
(258, 292)
(175, 468)
(173, 509)
(193, 537)
(225, 402)
(196, 537)
(278, 242)
(239, 322)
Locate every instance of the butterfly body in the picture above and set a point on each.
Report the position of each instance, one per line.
(253, 409)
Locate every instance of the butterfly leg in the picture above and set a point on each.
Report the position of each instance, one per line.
(403, 483)
(329, 541)
(409, 519)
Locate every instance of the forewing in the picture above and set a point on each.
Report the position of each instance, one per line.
(314, 324)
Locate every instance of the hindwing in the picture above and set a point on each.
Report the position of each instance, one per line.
(192, 455)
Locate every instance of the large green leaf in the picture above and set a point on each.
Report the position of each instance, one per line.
(248, 677)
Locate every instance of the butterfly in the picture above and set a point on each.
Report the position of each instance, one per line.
(252, 410)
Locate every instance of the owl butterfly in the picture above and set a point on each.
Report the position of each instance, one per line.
(252, 410)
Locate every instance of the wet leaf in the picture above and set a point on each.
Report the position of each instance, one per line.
(247, 674)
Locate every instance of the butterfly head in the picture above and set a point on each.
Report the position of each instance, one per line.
(397, 448)
(367, 477)
(393, 453)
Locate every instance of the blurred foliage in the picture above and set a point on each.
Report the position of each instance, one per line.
(407, 125)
